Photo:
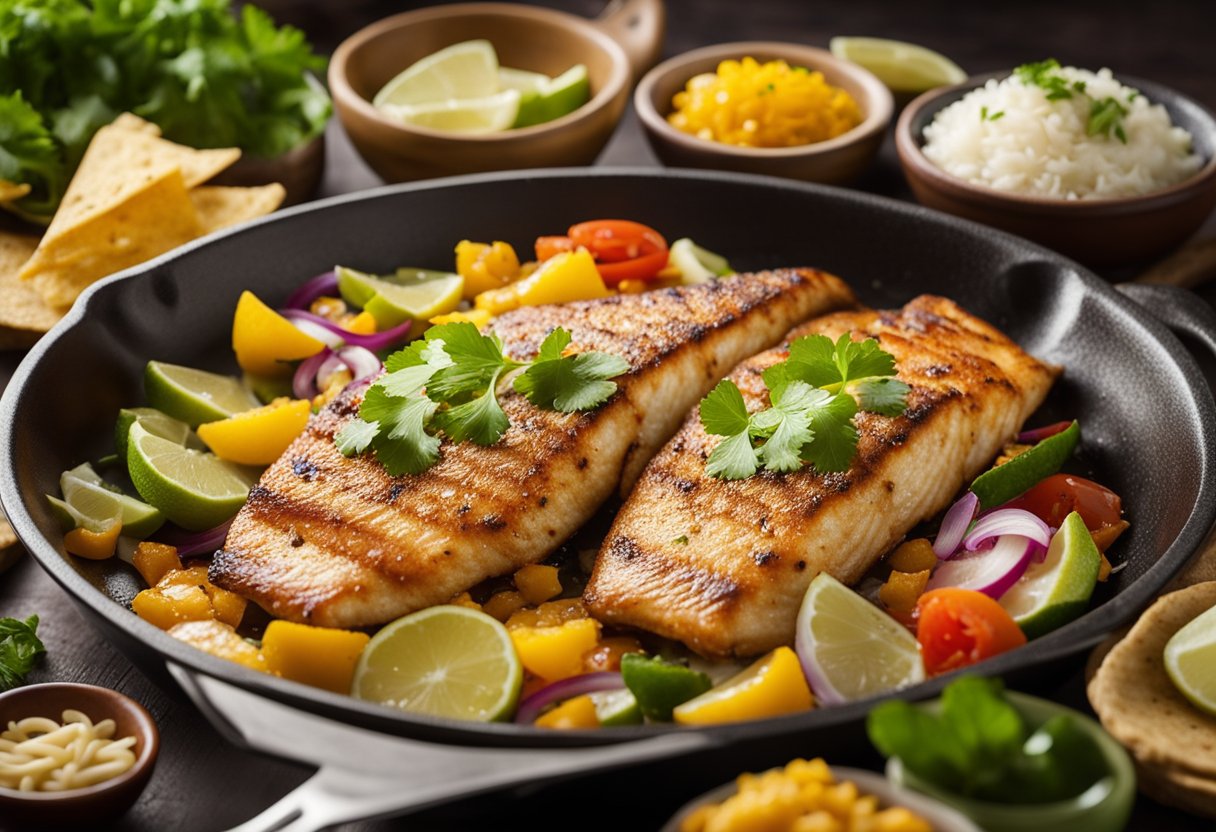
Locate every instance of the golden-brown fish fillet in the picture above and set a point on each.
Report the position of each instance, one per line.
(752, 546)
(340, 543)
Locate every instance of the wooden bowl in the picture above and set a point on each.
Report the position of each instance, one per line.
(1098, 232)
(835, 161)
(88, 807)
(525, 37)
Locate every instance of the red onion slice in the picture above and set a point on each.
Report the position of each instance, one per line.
(531, 707)
(991, 571)
(1005, 521)
(362, 362)
(313, 329)
(315, 372)
(191, 544)
(954, 525)
(304, 382)
(1036, 435)
(322, 284)
(374, 342)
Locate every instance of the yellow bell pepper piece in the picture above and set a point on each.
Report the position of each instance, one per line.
(165, 606)
(575, 713)
(485, 267)
(772, 686)
(258, 436)
(914, 555)
(155, 560)
(477, 317)
(538, 583)
(264, 340)
(93, 545)
(220, 640)
(902, 590)
(362, 324)
(316, 656)
(554, 653)
(565, 277)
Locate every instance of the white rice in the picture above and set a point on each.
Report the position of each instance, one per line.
(1040, 147)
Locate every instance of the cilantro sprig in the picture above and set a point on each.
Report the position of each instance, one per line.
(815, 395)
(447, 385)
(1105, 114)
(19, 649)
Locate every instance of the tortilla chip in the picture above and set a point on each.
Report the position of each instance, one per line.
(135, 124)
(1139, 705)
(12, 191)
(1178, 789)
(152, 220)
(24, 315)
(219, 207)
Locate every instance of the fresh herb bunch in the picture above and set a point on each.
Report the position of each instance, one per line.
(19, 649)
(207, 77)
(1105, 114)
(447, 383)
(815, 394)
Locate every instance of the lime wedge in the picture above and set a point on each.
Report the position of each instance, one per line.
(554, 98)
(850, 648)
(396, 303)
(1190, 661)
(194, 489)
(462, 70)
(1017, 476)
(69, 518)
(903, 67)
(527, 83)
(444, 661)
(96, 499)
(155, 423)
(1054, 592)
(195, 396)
(616, 707)
(697, 265)
(472, 116)
(660, 686)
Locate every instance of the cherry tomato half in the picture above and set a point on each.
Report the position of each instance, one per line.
(1060, 494)
(623, 250)
(960, 627)
(547, 247)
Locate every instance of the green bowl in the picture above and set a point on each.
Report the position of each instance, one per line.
(1103, 807)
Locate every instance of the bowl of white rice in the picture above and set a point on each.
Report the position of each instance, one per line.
(1110, 170)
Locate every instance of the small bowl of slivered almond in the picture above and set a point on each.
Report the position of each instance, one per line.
(74, 755)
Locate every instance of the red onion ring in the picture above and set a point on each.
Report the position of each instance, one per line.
(992, 571)
(304, 382)
(322, 284)
(314, 373)
(1007, 521)
(954, 525)
(531, 707)
(1036, 435)
(374, 342)
(190, 544)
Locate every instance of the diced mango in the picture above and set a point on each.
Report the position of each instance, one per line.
(220, 640)
(316, 656)
(555, 653)
(575, 713)
(902, 589)
(607, 654)
(186, 576)
(258, 436)
(476, 317)
(502, 605)
(169, 605)
(549, 614)
(565, 277)
(538, 583)
(913, 556)
(155, 560)
(485, 267)
(464, 599)
(228, 607)
(93, 545)
(264, 341)
(362, 324)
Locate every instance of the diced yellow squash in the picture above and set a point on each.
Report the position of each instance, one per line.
(316, 656)
(476, 317)
(258, 436)
(565, 277)
(903, 589)
(155, 560)
(93, 545)
(485, 266)
(538, 583)
(164, 606)
(502, 605)
(554, 653)
(264, 341)
(220, 640)
(362, 324)
(575, 713)
(915, 555)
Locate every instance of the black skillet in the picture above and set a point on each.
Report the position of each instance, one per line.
(1148, 416)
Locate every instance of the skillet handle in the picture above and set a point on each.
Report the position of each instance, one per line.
(638, 26)
(1179, 309)
(363, 774)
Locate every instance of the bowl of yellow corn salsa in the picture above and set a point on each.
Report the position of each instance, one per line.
(780, 109)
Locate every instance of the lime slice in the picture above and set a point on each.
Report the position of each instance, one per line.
(194, 489)
(155, 423)
(616, 707)
(903, 67)
(525, 82)
(659, 686)
(89, 495)
(195, 396)
(554, 98)
(1017, 476)
(488, 114)
(446, 661)
(69, 518)
(462, 70)
(1054, 592)
(697, 265)
(1190, 661)
(850, 648)
(396, 303)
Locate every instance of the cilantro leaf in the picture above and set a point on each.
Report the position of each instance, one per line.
(355, 436)
(28, 153)
(475, 360)
(402, 444)
(792, 429)
(863, 359)
(723, 412)
(813, 360)
(884, 396)
(733, 459)
(554, 345)
(834, 437)
(572, 382)
(479, 420)
(20, 647)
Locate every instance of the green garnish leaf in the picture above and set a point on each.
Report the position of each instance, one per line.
(572, 382)
(723, 411)
(787, 426)
(402, 443)
(734, 459)
(884, 396)
(480, 420)
(1105, 115)
(20, 647)
(355, 436)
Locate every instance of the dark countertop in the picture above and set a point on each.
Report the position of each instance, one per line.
(202, 783)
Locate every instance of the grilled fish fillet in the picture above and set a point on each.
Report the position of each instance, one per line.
(338, 542)
(753, 546)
